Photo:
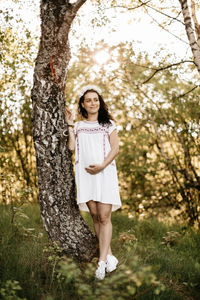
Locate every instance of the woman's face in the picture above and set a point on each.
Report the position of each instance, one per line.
(91, 102)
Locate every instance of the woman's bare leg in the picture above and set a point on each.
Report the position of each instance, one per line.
(105, 229)
(92, 205)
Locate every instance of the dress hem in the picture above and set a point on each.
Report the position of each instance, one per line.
(83, 205)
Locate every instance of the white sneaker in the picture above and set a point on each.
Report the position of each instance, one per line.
(101, 270)
(111, 263)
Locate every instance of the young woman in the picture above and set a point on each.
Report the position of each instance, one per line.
(95, 142)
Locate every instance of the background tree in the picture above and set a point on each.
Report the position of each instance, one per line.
(192, 29)
(17, 153)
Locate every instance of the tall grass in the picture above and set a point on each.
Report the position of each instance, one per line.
(151, 255)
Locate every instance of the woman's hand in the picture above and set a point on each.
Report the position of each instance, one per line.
(68, 117)
(94, 169)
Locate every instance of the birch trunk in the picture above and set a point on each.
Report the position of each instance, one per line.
(190, 33)
(59, 210)
(196, 24)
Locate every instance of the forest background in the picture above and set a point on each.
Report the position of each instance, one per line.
(140, 57)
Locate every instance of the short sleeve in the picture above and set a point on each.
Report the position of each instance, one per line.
(112, 127)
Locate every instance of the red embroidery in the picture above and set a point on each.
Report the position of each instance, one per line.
(93, 130)
(77, 156)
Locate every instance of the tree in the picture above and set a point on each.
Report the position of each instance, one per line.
(193, 33)
(59, 210)
(17, 163)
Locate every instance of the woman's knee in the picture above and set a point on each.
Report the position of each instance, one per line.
(95, 216)
(93, 210)
(104, 218)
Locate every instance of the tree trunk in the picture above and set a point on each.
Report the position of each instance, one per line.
(59, 209)
(196, 23)
(190, 33)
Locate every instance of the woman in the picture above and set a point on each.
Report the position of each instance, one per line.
(95, 142)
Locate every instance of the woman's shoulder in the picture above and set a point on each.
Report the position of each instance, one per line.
(108, 123)
(112, 122)
(111, 126)
(78, 123)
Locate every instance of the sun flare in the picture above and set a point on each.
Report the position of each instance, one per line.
(101, 57)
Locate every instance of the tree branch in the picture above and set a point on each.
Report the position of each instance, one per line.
(180, 139)
(175, 18)
(78, 4)
(161, 26)
(146, 4)
(172, 169)
(182, 95)
(164, 68)
(162, 13)
(129, 8)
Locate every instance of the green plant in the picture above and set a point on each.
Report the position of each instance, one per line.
(54, 257)
(124, 283)
(9, 290)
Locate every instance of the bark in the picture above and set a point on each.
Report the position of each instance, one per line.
(196, 24)
(190, 33)
(59, 210)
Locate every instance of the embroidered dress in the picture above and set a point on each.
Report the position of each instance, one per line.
(92, 147)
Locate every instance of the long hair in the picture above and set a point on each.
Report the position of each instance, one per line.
(104, 116)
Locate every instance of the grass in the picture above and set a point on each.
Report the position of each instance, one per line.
(145, 248)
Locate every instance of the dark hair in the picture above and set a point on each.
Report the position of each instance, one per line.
(104, 116)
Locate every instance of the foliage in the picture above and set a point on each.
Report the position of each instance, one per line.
(9, 290)
(54, 253)
(146, 265)
(127, 279)
(16, 146)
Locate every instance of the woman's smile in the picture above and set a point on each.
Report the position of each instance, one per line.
(91, 102)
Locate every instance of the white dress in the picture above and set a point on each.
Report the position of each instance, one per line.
(92, 147)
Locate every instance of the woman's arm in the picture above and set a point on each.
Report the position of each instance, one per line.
(114, 144)
(71, 138)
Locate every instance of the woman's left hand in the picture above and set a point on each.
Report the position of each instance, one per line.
(94, 169)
